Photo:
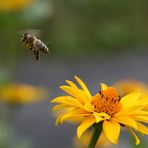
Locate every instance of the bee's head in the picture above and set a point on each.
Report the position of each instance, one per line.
(24, 37)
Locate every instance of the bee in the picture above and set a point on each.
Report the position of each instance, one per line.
(34, 44)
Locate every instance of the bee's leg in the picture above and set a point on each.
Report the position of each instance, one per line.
(36, 53)
(31, 47)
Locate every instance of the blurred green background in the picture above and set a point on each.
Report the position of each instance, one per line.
(80, 27)
(85, 37)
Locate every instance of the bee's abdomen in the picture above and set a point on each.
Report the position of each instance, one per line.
(41, 46)
(44, 49)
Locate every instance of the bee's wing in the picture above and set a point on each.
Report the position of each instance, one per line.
(48, 43)
(34, 32)
(20, 33)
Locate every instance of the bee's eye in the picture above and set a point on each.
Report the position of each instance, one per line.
(25, 34)
(25, 37)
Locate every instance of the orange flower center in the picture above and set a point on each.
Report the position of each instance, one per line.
(107, 101)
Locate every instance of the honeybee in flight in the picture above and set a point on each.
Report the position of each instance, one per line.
(34, 44)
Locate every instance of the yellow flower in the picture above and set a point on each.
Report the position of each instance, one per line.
(10, 5)
(127, 86)
(103, 142)
(105, 107)
(21, 94)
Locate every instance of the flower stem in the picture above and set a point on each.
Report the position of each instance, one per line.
(95, 136)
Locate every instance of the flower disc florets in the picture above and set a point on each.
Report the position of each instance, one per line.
(107, 101)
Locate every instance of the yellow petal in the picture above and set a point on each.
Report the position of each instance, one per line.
(141, 118)
(77, 120)
(111, 130)
(67, 100)
(72, 114)
(138, 113)
(129, 100)
(137, 141)
(71, 84)
(127, 121)
(143, 101)
(142, 128)
(57, 107)
(89, 121)
(88, 107)
(103, 86)
(100, 116)
(129, 111)
(76, 93)
(84, 87)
